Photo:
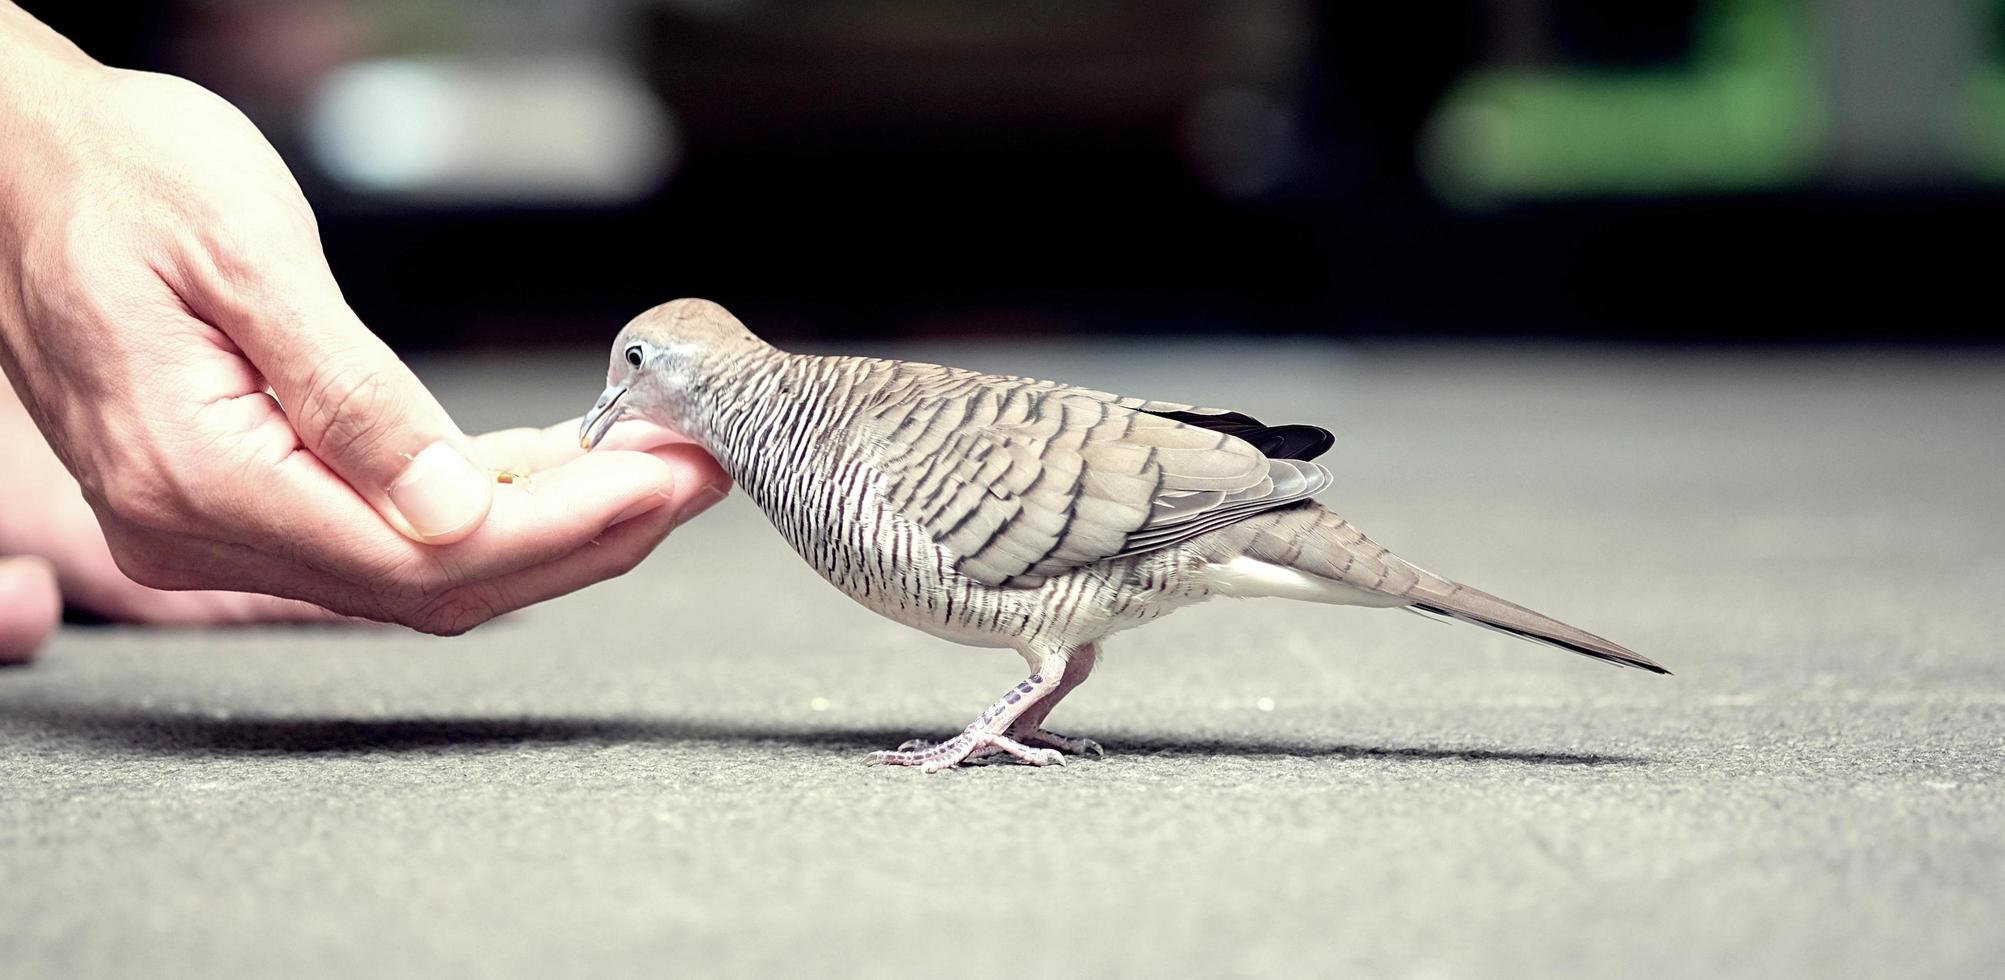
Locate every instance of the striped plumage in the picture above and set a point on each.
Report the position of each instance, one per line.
(1011, 512)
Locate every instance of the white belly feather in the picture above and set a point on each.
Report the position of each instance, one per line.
(1248, 578)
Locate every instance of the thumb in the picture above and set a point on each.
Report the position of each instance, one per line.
(360, 410)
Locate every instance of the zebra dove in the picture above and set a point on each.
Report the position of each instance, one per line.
(1008, 512)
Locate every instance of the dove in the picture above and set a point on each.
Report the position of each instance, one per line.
(1008, 512)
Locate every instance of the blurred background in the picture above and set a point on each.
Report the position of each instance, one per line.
(1706, 171)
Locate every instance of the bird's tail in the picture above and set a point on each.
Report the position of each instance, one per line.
(1316, 540)
(1469, 605)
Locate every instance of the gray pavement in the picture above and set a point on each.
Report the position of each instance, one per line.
(659, 775)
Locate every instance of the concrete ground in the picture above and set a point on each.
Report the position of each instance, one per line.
(660, 775)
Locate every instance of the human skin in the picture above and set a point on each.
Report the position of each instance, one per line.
(171, 326)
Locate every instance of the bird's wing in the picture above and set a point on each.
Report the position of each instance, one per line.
(1023, 479)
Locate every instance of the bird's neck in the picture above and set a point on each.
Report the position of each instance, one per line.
(763, 414)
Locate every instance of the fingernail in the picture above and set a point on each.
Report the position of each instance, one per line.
(441, 492)
(645, 505)
(705, 499)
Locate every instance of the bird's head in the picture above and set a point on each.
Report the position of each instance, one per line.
(662, 361)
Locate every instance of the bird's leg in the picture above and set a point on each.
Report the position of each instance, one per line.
(989, 733)
(1029, 728)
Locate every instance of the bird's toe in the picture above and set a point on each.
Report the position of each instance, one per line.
(967, 748)
(1063, 743)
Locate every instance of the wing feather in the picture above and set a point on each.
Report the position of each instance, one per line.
(1022, 480)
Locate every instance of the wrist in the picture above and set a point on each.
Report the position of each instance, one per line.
(25, 38)
(39, 75)
(43, 80)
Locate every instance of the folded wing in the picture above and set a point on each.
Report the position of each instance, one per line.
(1023, 480)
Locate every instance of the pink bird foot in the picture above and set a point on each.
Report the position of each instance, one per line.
(990, 734)
(969, 746)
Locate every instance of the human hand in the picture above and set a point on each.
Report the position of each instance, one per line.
(169, 320)
(53, 555)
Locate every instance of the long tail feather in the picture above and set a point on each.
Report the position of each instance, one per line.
(1483, 609)
(1312, 539)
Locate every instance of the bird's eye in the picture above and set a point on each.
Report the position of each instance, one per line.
(634, 355)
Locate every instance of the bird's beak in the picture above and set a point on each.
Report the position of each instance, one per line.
(604, 413)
